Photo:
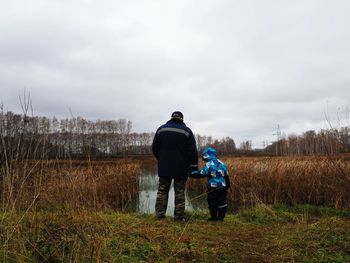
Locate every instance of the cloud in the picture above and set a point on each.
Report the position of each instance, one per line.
(235, 68)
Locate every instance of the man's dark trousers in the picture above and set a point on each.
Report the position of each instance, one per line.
(163, 194)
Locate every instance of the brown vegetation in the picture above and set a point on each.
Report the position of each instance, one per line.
(84, 184)
(289, 180)
(29, 176)
(97, 185)
(114, 184)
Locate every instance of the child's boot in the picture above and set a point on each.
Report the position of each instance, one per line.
(222, 213)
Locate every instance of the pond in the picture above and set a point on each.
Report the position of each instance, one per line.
(148, 185)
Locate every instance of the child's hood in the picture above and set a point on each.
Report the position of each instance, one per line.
(209, 154)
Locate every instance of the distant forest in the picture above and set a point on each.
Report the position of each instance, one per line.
(38, 137)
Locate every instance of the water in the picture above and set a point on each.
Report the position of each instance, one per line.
(148, 184)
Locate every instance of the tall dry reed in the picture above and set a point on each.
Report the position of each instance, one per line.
(289, 180)
(84, 184)
(97, 185)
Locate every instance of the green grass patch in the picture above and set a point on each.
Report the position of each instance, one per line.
(263, 233)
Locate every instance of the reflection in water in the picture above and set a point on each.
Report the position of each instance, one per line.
(148, 185)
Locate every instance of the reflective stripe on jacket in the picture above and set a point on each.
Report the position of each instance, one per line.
(174, 146)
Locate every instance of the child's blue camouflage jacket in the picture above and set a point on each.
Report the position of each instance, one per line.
(215, 170)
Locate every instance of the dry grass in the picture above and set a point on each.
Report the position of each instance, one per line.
(97, 185)
(86, 184)
(289, 180)
(114, 183)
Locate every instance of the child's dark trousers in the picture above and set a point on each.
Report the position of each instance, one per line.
(217, 203)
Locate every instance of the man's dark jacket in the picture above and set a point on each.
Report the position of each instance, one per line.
(174, 146)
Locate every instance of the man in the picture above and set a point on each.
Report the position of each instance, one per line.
(174, 146)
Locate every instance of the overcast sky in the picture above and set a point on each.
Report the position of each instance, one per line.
(234, 68)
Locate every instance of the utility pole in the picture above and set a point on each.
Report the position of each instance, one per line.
(278, 135)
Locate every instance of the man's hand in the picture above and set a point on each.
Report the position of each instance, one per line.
(193, 173)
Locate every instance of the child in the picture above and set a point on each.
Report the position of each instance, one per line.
(218, 183)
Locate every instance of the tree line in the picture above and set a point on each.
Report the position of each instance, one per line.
(38, 136)
(324, 142)
(75, 137)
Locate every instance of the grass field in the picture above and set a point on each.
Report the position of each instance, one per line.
(291, 209)
(260, 234)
